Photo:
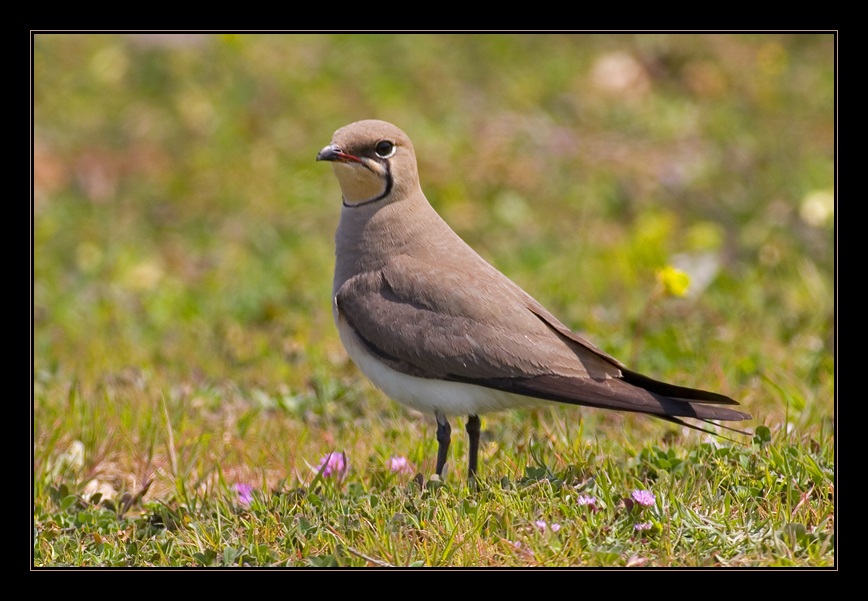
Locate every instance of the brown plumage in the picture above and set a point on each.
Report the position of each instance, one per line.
(441, 330)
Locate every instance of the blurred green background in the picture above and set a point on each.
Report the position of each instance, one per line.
(183, 233)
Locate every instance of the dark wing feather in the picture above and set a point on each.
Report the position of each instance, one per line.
(611, 393)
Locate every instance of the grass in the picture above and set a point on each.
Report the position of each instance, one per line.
(182, 333)
(761, 505)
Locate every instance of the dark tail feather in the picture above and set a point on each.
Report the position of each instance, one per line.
(704, 412)
(677, 392)
(622, 395)
(634, 392)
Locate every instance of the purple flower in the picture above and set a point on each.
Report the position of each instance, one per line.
(521, 550)
(542, 526)
(643, 497)
(400, 465)
(333, 464)
(244, 492)
(586, 500)
(642, 526)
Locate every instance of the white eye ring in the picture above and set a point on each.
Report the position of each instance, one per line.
(385, 149)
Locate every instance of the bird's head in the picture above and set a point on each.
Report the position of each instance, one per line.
(373, 160)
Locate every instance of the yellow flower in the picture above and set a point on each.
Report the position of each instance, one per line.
(675, 282)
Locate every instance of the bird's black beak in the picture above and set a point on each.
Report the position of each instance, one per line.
(332, 152)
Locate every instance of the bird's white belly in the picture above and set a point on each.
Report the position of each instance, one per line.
(425, 394)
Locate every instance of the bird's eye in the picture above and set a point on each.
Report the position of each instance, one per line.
(384, 149)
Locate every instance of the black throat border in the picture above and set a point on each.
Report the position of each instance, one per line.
(385, 193)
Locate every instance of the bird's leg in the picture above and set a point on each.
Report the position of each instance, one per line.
(473, 427)
(444, 437)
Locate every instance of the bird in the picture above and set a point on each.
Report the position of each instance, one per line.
(440, 330)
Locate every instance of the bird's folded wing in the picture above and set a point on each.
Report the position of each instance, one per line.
(450, 331)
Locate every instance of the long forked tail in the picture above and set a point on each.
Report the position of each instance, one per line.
(632, 392)
(706, 404)
(680, 392)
